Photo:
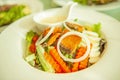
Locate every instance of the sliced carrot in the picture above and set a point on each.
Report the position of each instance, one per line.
(75, 67)
(80, 53)
(57, 30)
(45, 32)
(54, 64)
(65, 31)
(84, 63)
(53, 38)
(56, 56)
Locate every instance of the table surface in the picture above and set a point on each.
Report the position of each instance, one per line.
(115, 13)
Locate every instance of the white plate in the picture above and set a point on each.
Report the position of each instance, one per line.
(109, 6)
(35, 6)
(12, 47)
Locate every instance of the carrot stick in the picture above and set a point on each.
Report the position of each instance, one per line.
(80, 53)
(75, 67)
(53, 38)
(65, 31)
(57, 30)
(84, 63)
(55, 55)
(45, 32)
(54, 64)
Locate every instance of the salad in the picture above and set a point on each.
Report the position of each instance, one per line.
(12, 12)
(70, 47)
(96, 2)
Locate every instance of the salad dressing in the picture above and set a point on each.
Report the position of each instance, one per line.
(53, 19)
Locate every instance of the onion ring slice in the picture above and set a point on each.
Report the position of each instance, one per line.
(80, 35)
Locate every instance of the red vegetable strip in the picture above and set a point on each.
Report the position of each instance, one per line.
(54, 64)
(35, 38)
(32, 48)
(80, 53)
(55, 55)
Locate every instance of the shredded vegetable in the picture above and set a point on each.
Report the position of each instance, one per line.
(78, 59)
(66, 48)
(55, 65)
(46, 66)
(39, 41)
(80, 53)
(59, 60)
